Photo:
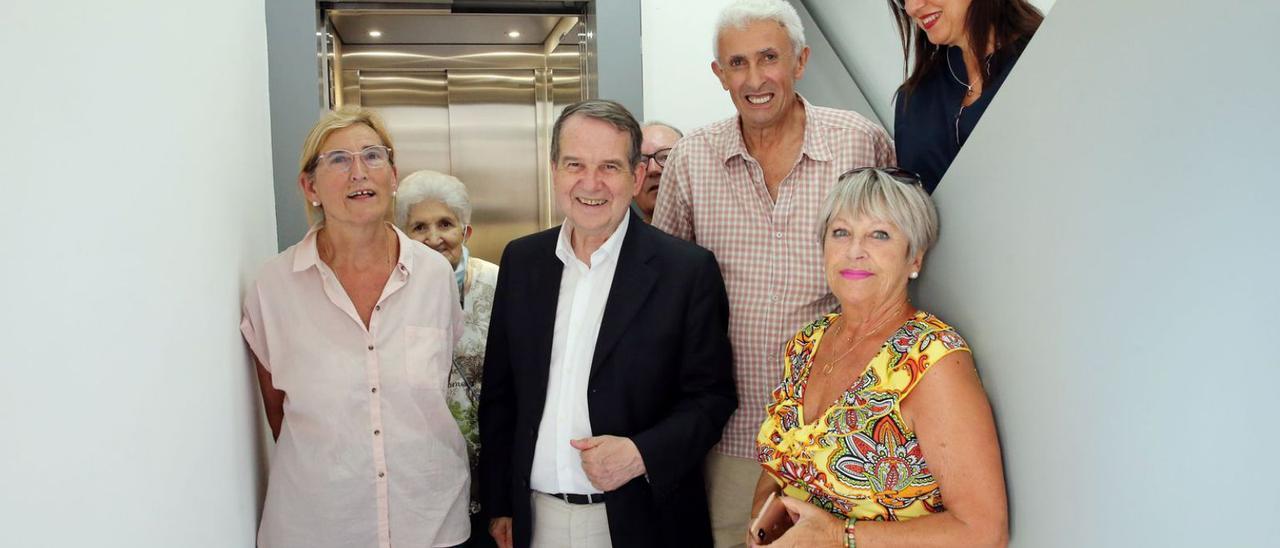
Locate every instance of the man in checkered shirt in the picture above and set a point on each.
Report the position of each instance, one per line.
(749, 188)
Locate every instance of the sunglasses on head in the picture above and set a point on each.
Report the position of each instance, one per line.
(898, 174)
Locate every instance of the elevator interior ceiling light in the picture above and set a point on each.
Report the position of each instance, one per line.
(513, 34)
(375, 34)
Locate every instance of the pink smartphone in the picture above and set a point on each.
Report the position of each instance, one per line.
(772, 521)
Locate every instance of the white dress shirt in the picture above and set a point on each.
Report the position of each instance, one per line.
(557, 466)
(368, 453)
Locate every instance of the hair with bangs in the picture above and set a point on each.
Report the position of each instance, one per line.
(875, 194)
(744, 12)
(330, 122)
(424, 185)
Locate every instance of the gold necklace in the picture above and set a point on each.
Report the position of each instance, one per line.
(826, 370)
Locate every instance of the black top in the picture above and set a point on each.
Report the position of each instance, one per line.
(931, 126)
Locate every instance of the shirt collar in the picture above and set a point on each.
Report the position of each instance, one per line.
(815, 144)
(610, 247)
(308, 254)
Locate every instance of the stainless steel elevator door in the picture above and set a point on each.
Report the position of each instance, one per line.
(493, 136)
(415, 107)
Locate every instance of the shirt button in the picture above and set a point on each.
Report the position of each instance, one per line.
(379, 307)
(374, 390)
(778, 235)
(377, 432)
(382, 474)
(773, 298)
(371, 347)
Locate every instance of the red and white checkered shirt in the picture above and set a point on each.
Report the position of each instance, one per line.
(713, 193)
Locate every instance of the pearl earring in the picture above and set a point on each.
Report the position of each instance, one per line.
(914, 275)
(315, 204)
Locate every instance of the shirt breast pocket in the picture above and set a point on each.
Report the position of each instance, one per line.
(428, 353)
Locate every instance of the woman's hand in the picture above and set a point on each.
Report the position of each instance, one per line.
(814, 528)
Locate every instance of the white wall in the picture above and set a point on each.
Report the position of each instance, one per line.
(866, 38)
(1108, 247)
(679, 87)
(137, 201)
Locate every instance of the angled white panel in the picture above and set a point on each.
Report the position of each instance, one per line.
(1108, 247)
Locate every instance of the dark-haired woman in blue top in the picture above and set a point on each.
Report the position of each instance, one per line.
(963, 51)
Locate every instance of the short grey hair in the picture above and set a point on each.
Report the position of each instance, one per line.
(425, 185)
(656, 123)
(744, 12)
(609, 112)
(873, 193)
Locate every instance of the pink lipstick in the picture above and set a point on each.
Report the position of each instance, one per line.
(851, 274)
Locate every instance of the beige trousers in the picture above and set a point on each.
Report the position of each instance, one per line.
(558, 524)
(731, 482)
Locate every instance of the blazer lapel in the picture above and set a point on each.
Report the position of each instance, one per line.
(543, 298)
(632, 281)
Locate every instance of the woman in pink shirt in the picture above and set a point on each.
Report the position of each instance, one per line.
(353, 331)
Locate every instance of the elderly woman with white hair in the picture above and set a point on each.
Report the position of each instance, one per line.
(880, 417)
(434, 208)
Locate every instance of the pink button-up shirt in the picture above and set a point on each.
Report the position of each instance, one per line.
(713, 193)
(368, 453)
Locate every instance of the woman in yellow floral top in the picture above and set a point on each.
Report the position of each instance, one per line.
(880, 417)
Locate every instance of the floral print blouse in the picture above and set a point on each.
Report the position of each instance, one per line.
(858, 460)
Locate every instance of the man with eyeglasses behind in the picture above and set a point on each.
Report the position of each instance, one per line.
(659, 137)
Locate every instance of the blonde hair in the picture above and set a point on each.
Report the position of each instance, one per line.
(875, 194)
(330, 122)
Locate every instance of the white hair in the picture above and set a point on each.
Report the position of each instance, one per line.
(744, 12)
(432, 185)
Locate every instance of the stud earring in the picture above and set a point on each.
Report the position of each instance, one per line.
(914, 275)
(315, 204)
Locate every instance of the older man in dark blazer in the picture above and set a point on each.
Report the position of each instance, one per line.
(608, 373)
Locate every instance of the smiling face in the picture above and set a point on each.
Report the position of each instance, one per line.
(943, 21)
(594, 182)
(359, 196)
(866, 260)
(758, 66)
(656, 138)
(433, 223)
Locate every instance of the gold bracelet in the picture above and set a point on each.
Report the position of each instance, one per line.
(849, 541)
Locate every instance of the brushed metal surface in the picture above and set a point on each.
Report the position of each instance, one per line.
(415, 107)
(419, 57)
(494, 151)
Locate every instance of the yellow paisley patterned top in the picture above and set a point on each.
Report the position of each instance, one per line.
(857, 460)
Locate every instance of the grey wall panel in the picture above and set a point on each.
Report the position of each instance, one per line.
(616, 65)
(296, 103)
(1108, 247)
(827, 81)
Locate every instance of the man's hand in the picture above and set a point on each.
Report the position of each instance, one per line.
(500, 530)
(609, 461)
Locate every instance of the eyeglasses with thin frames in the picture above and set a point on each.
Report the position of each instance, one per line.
(372, 156)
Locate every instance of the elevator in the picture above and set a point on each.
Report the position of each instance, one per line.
(473, 94)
